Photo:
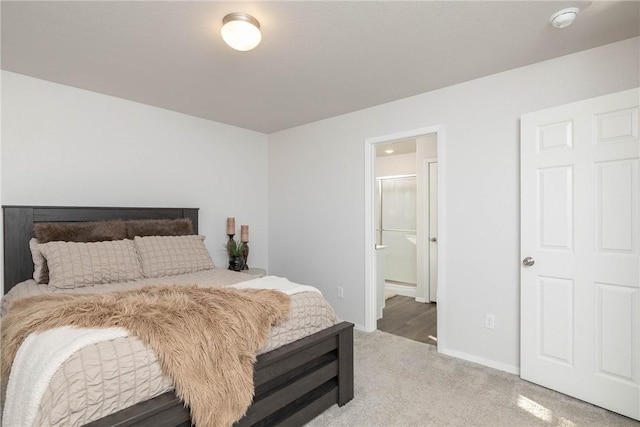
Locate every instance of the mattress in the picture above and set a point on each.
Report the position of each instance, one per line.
(106, 377)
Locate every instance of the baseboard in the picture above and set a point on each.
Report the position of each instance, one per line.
(361, 328)
(419, 299)
(480, 360)
(406, 291)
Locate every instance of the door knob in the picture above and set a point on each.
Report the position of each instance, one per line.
(528, 261)
(433, 239)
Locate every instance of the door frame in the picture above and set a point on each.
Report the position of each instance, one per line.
(426, 209)
(369, 232)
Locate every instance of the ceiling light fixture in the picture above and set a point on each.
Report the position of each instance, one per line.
(565, 17)
(241, 31)
(388, 151)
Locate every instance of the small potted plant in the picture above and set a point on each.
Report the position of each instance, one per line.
(235, 249)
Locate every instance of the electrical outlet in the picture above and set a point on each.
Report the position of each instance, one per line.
(340, 292)
(489, 321)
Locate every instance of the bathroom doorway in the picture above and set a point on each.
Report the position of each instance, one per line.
(406, 236)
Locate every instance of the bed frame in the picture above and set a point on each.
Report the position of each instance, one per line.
(293, 383)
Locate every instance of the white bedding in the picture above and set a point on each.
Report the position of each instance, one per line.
(31, 373)
(30, 381)
(278, 283)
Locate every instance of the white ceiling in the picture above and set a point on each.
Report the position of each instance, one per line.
(316, 60)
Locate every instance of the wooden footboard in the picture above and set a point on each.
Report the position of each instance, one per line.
(293, 384)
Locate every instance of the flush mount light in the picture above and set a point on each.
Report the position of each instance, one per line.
(241, 31)
(388, 151)
(565, 17)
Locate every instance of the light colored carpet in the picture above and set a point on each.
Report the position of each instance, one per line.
(400, 382)
(389, 294)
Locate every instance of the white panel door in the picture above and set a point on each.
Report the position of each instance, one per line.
(580, 292)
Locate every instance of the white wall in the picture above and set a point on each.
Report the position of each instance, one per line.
(1, 215)
(71, 147)
(427, 147)
(398, 164)
(316, 191)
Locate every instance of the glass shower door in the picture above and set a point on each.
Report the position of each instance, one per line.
(397, 228)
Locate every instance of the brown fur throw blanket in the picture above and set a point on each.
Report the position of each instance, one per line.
(206, 339)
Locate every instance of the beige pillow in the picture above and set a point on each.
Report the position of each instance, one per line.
(171, 255)
(73, 264)
(40, 269)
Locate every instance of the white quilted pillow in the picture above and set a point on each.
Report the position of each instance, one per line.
(171, 255)
(40, 270)
(74, 264)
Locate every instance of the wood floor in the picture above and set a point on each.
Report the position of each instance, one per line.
(410, 319)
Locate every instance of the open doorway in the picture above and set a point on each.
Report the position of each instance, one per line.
(374, 293)
(405, 216)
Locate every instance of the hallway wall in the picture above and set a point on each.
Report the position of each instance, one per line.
(316, 185)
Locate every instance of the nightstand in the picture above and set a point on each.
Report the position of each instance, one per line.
(258, 272)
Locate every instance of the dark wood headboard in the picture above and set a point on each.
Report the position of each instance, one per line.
(19, 220)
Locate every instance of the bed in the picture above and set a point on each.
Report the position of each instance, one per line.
(293, 383)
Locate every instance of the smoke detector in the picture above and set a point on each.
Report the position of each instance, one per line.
(565, 17)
